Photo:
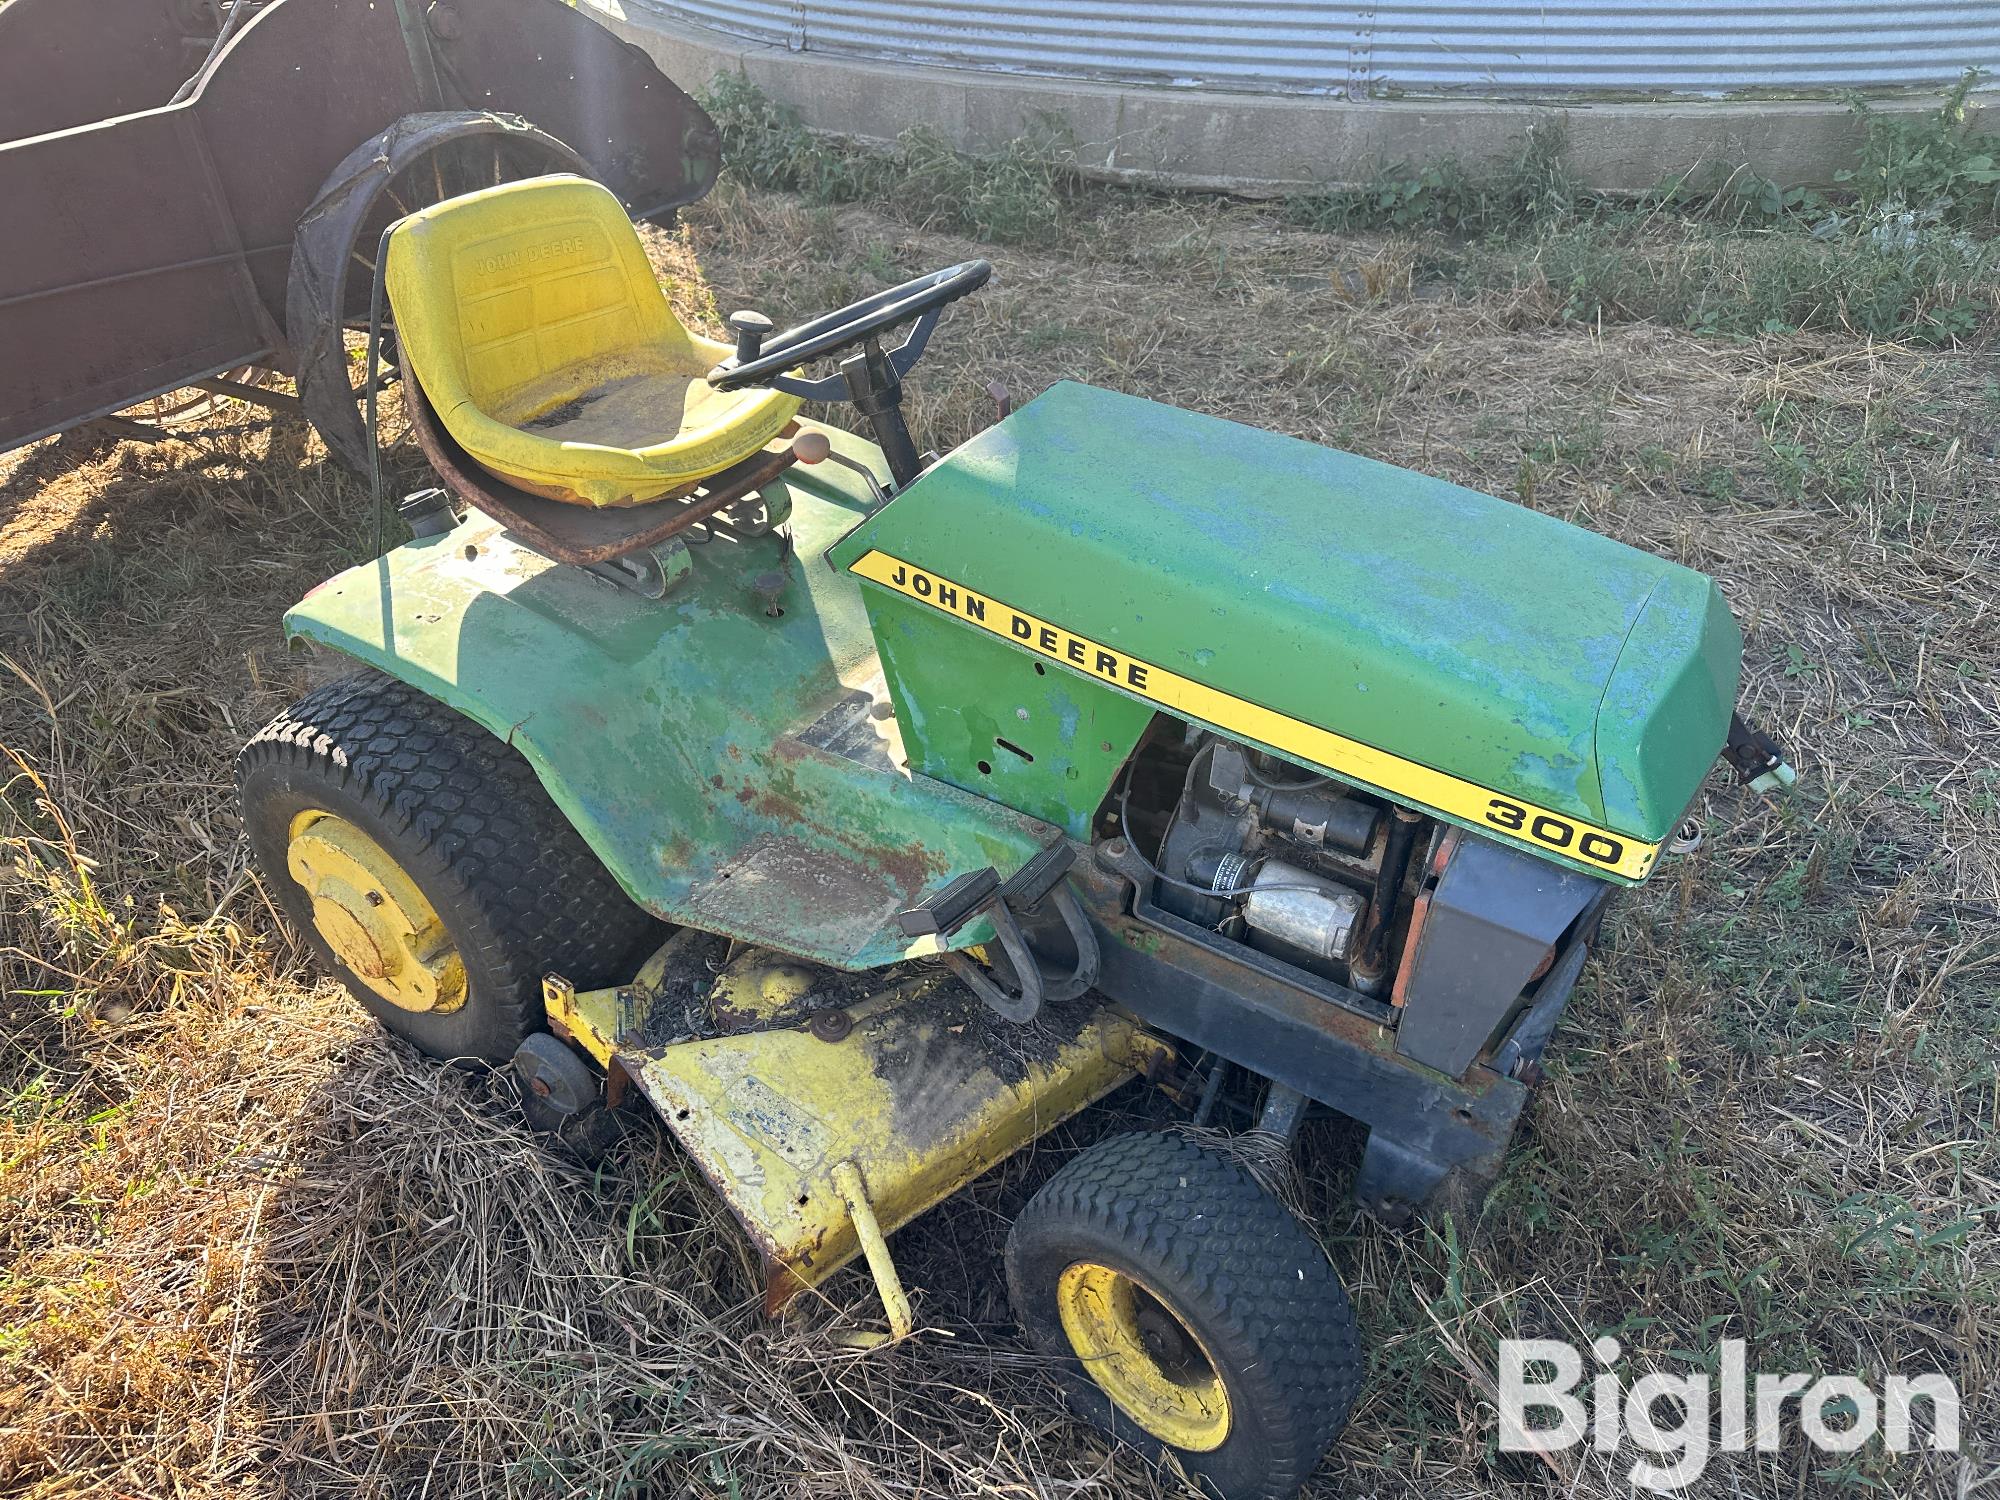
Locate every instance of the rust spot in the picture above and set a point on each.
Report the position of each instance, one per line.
(716, 781)
(783, 1282)
(776, 806)
(617, 1080)
(728, 1018)
(831, 1025)
(909, 869)
(1419, 914)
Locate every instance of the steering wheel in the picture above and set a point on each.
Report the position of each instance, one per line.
(762, 358)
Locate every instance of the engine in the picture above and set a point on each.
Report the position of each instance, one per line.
(1295, 864)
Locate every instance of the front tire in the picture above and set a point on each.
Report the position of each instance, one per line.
(1189, 1311)
(428, 868)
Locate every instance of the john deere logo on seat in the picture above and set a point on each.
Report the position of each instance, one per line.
(527, 255)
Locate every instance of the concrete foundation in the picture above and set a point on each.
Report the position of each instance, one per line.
(1263, 143)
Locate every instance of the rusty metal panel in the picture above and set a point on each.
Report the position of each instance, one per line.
(153, 249)
(335, 71)
(1484, 47)
(113, 312)
(541, 59)
(155, 246)
(69, 62)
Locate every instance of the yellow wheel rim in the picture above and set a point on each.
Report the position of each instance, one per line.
(1143, 1355)
(372, 915)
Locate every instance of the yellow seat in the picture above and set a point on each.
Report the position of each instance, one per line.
(533, 321)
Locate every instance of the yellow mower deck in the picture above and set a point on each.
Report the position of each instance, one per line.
(828, 1108)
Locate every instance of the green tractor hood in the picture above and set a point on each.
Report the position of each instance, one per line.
(1507, 670)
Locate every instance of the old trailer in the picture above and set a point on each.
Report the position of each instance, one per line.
(195, 189)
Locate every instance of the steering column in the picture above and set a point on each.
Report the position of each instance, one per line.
(870, 378)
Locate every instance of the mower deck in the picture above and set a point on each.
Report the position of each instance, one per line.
(829, 1108)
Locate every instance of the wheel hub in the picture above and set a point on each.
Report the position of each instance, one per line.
(373, 916)
(1143, 1356)
(1165, 1339)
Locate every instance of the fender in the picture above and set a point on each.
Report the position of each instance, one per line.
(735, 770)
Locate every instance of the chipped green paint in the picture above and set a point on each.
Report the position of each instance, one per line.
(983, 716)
(722, 763)
(1452, 629)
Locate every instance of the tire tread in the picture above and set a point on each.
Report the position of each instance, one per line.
(1254, 1269)
(543, 900)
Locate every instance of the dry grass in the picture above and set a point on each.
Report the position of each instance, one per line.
(253, 1248)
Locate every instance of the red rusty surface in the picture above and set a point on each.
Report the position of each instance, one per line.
(583, 534)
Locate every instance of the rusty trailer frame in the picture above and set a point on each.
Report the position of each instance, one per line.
(155, 248)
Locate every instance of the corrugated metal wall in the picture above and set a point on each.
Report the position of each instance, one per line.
(1485, 47)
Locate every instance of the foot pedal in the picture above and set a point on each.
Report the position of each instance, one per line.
(982, 894)
(1025, 890)
(952, 907)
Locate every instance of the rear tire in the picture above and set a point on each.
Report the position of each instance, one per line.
(1213, 1326)
(420, 794)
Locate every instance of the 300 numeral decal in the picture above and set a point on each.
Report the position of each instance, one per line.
(1554, 832)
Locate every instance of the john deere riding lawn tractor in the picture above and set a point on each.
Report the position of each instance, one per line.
(870, 812)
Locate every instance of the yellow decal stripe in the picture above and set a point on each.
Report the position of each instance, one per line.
(1504, 817)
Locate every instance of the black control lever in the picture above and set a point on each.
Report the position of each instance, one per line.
(872, 377)
(751, 329)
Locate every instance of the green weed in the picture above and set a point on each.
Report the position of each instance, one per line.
(1931, 165)
(1928, 287)
(1018, 195)
(1532, 187)
(1724, 253)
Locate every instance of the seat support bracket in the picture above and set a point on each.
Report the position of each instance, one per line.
(579, 534)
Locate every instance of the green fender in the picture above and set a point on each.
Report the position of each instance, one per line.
(734, 770)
